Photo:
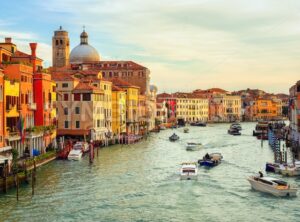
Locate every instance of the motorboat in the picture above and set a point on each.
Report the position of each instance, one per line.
(193, 146)
(272, 186)
(234, 132)
(211, 160)
(274, 167)
(236, 126)
(198, 124)
(75, 154)
(81, 145)
(174, 137)
(189, 171)
(292, 169)
(186, 130)
(261, 130)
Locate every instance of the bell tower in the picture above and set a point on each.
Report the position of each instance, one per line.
(60, 48)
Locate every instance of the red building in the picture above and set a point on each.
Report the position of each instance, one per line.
(170, 102)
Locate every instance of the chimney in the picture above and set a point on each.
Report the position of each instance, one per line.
(8, 40)
(33, 55)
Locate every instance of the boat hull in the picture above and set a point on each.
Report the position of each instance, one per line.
(188, 177)
(71, 157)
(271, 190)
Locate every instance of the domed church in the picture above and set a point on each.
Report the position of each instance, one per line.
(84, 53)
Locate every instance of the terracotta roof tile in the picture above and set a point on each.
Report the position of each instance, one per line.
(121, 83)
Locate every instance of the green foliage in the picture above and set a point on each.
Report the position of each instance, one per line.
(40, 158)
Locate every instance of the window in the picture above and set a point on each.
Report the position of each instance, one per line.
(65, 85)
(77, 110)
(98, 122)
(66, 124)
(66, 97)
(86, 97)
(66, 111)
(56, 42)
(77, 123)
(77, 97)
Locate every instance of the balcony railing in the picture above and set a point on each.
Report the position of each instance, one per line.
(32, 106)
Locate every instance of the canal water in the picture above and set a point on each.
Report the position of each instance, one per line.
(140, 182)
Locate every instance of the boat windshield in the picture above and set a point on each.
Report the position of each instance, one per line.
(280, 182)
(77, 147)
(188, 170)
(265, 181)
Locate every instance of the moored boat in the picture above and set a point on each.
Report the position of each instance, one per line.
(274, 167)
(189, 171)
(198, 124)
(193, 146)
(75, 154)
(261, 130)
(272, 186)
(211, 160)
(174, 137)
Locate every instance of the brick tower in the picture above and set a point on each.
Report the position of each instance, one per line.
(60, 48)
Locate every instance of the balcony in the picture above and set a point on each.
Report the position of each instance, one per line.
(32, 106)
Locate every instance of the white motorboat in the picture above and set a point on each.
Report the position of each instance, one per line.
(273, 186)
(75, 154)
(291, 169)
(193, 146)
(189, 171)
(84, 146)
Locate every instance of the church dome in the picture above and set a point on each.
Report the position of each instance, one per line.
(84, 53)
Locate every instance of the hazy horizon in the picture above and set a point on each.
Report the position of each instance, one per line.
(187, 45)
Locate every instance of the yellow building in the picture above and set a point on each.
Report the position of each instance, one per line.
(191, 107)
(12, 115)
(118, 111)
(142, 115)
(132, 99)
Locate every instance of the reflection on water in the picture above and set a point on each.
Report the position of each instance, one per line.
(140, 182)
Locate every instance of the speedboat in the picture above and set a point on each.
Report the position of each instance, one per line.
(75, 154)
(81, 145)
(186, 130)
(174, 137)
(234, 132)
(273, 186)
(198, 124)
(211, 160)
(274, 167)
(292, 169)
(189, 171)
(193, 146)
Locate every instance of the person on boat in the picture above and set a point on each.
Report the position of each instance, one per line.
(207, 157)
(261, 174)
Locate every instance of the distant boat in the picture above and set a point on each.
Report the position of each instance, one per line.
(185, 130)
(234, 132)
(193, 146)
(162, 127)
(198, 124)
(272, 186)
(173, 138)
(236, 126)
(189, 171)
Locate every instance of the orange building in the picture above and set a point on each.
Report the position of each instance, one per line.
(264, 109)
(7, 49)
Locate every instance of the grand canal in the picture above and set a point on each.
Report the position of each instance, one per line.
(140, 182)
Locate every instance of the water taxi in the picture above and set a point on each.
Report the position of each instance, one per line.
(189, 171)
(75, 154)
(81, 145)
(272, 186)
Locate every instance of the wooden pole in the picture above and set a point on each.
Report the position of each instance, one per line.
(5, 179)
(17, 185)
(33, 177)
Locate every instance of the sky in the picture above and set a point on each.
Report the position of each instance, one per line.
(186, 44)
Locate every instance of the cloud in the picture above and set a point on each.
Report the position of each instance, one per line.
(193, 43)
